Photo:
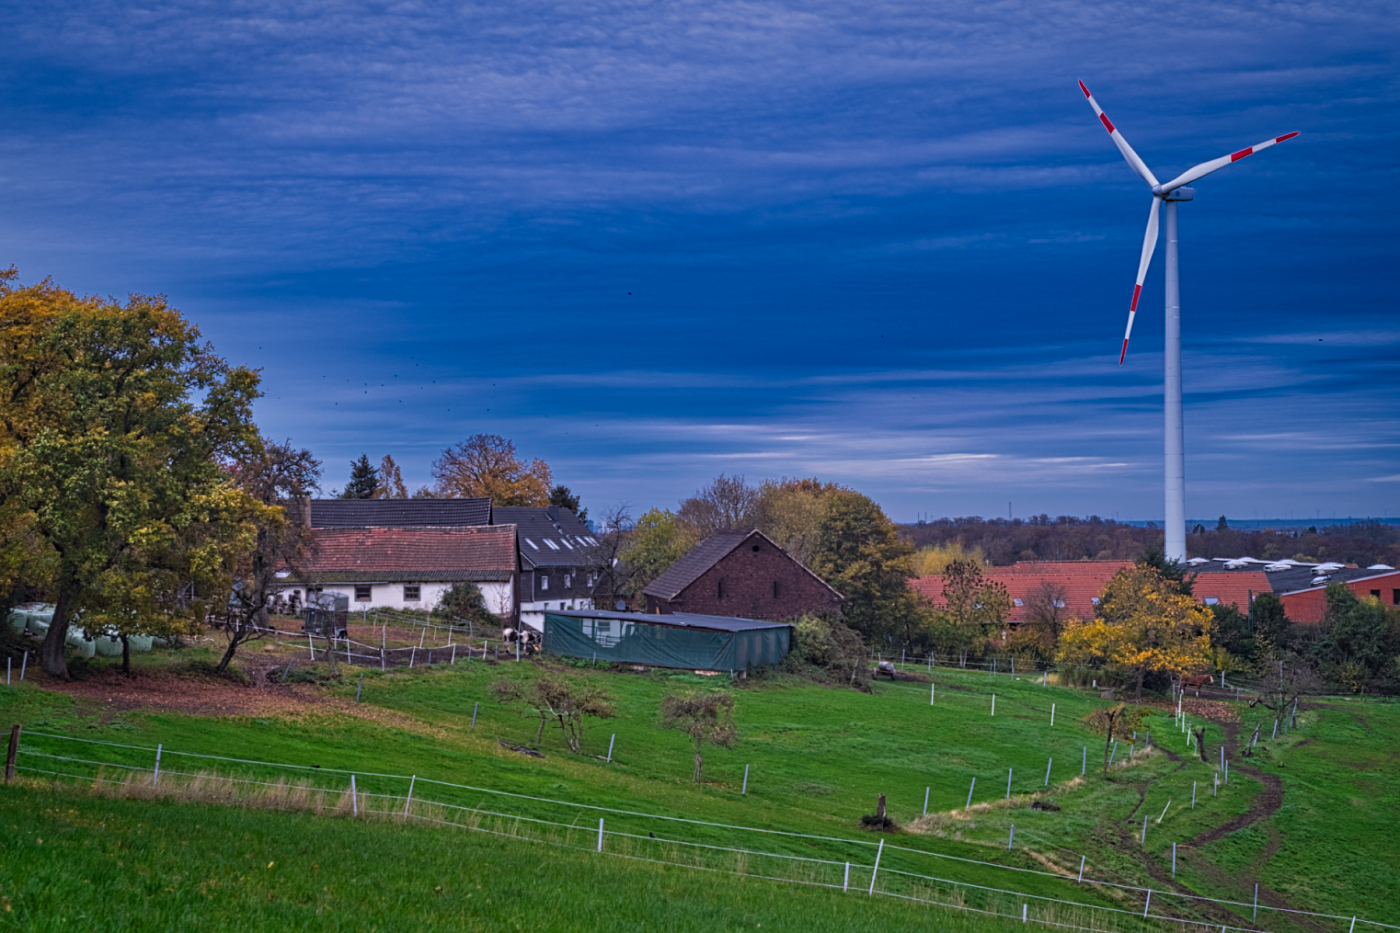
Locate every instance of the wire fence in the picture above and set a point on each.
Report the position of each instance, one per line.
(1069, 891)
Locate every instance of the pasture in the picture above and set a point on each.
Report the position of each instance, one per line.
(1307, 816)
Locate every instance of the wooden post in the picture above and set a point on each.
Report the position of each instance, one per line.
(879, 804)
(11, 753)
(478, 707)
(358, 689)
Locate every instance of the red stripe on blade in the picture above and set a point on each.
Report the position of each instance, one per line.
(1285, 136)
(1084, 89)
(1236, 156)
(1106, 122)
(1124, 355)
(1137, 291)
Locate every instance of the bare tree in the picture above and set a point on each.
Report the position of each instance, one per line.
(726, 503)
(1047, 612)
(554, 698)
(705, 718)
(1287, 678)
(276, 477)
(612, 578)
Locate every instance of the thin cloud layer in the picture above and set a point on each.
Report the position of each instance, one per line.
(884, 243)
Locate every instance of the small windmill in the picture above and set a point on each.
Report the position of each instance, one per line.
(1170, 193)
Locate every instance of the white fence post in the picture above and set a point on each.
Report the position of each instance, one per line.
(354, 798)
(970, 789)
(745, 791)
(610, 746)
(409, 800)
(994, 704)
(876, 870)
(1081, 869)
(1047, 771)
(1008, 783)
(1052, 714)
(926, 792)
(155, 775)
(846, 885)
(600, 834)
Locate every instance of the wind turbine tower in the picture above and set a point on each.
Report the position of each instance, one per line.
(1170, 194)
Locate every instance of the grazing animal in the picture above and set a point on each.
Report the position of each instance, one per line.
(1196, 680)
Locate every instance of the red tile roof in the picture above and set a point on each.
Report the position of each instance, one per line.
(1082, 580)
(427, 554)
(1232, 589)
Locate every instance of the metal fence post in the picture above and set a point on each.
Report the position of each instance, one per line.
(876, 870)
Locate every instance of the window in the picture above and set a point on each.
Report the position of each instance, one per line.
(412, 592)
(1212, 600)
(550, 544)
(532, 544)
(777, 590)
(567, 580)
(1395, 597)
(1376, 594)
(719, 589)
(755, 548)
(362, 592)
(1059, 604)
(1017, 602)
(544, 581)
(1095, 600)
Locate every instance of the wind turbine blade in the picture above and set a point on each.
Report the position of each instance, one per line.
(1137, 164)
(1205, 168)
(1149, 246)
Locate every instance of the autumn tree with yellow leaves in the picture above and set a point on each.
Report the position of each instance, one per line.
(1145, 624)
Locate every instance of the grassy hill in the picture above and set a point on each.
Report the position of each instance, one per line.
(1306, 816)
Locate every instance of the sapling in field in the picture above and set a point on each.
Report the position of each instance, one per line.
(554, 698)
(705, 717)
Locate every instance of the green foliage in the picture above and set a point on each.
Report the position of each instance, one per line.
(464, 601)
(828, 651)
(117, 418)
(657, 541)
(364, 480)
(564, 498)
(1154, 557)
(860, 554)
(1358, 645)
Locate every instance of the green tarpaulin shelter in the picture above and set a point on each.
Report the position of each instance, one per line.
(681, 639)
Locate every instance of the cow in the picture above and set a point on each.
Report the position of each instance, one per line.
(1196, 680)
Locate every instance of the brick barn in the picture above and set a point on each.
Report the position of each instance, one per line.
(743, 573)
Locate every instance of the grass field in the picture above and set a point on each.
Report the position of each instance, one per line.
(1309, 816)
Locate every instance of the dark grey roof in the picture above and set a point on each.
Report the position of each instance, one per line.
(694, 563)
(673, 581)
(1292, 580)
(399, 513)
(548, 537)
(675, 620)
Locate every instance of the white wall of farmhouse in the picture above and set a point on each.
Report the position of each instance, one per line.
(499, 597)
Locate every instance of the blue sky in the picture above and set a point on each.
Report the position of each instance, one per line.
(886, 244)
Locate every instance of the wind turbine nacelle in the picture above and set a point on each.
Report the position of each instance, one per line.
(1180, 194)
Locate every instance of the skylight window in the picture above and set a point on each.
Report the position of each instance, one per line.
(1017, 602)
(532, 544)
(567, 544)
(550, 544)
(1212, 600)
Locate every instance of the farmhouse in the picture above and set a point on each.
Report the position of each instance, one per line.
(1302, 587)
(1071, 587)
(557, 560)
(741, 573)
(410, 568)
(683, 640)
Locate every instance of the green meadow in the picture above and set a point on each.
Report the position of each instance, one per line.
(1308, 816)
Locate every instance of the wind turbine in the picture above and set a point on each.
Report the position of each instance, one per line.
(1171, 193)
